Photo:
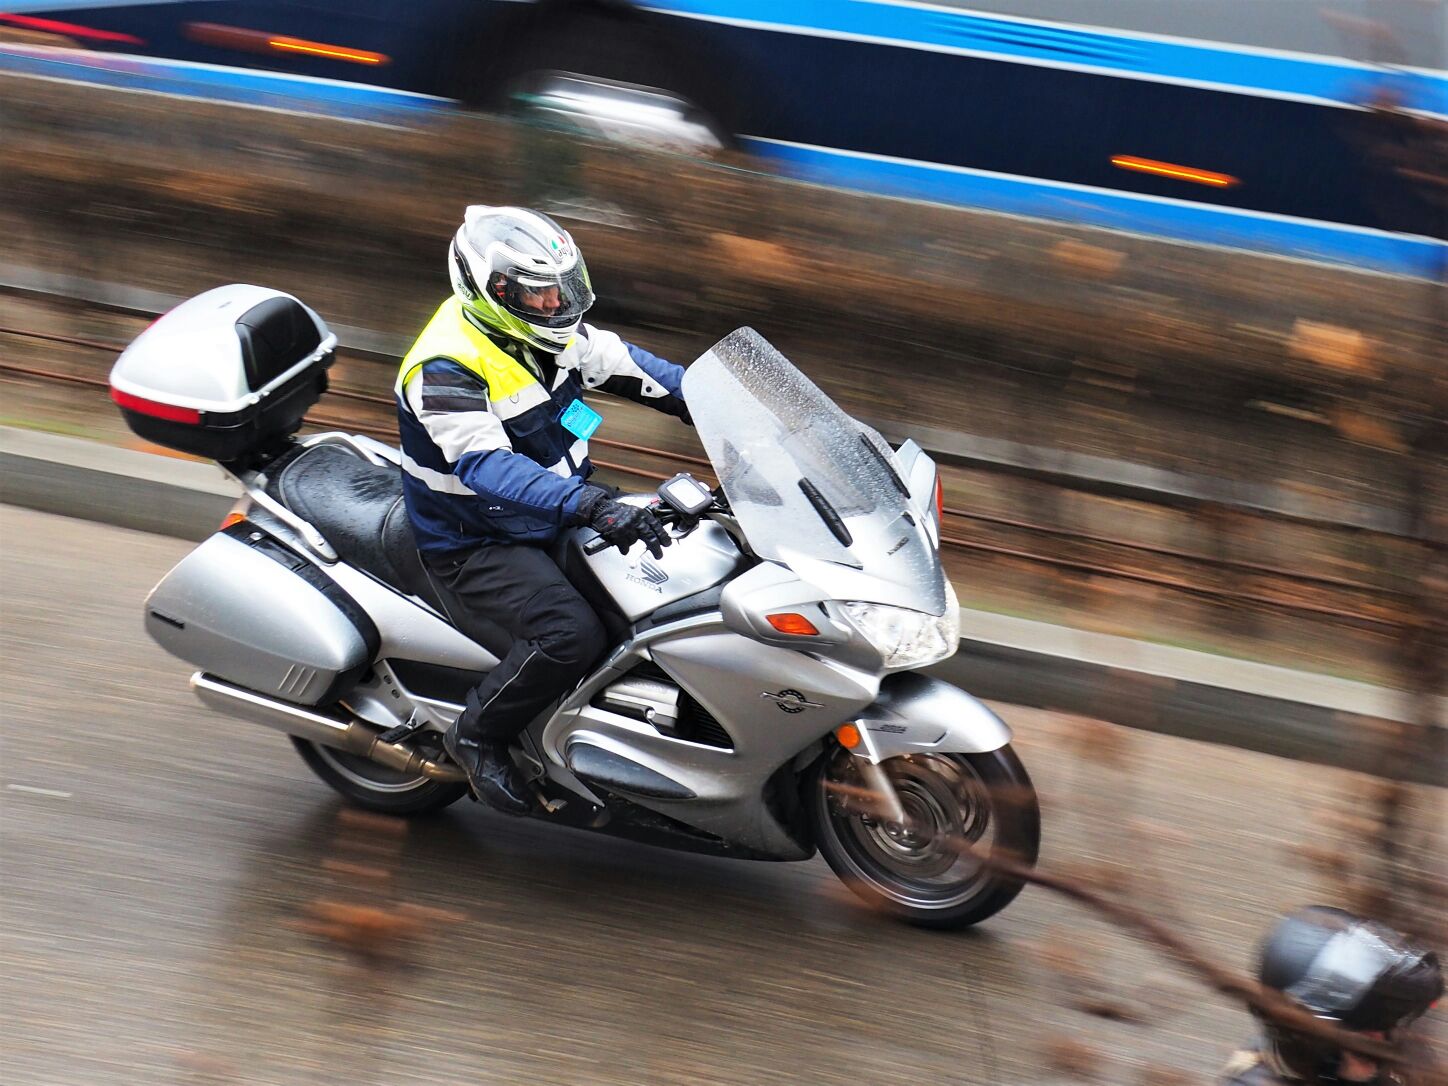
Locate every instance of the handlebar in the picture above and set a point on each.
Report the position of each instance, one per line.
(667, 515)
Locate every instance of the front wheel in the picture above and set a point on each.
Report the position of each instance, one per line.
(376, 787)
(911, 871)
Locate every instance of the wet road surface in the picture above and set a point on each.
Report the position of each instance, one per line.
(180, 898)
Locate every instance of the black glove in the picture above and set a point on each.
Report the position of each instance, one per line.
(624, 525)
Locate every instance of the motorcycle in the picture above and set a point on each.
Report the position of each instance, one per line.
(762, 697)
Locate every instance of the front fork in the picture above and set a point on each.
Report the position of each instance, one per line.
(916, 714)
(879, 782)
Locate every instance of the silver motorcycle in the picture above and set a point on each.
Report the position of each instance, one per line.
(762, 697)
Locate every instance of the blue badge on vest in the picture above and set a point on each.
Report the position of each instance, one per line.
(580, 420)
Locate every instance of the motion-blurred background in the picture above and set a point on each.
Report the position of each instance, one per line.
(1158, 282)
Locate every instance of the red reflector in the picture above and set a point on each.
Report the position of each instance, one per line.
(791, 623)
(70, 30)
(169, 412)
(939, 500)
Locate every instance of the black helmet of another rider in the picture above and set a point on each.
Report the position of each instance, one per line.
(1356, 973)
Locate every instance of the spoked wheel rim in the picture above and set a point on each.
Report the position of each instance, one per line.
(366, 773)
(945, 800)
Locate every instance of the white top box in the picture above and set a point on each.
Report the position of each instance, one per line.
(224, 351)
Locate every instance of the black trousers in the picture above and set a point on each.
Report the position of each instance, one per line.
(555, 635)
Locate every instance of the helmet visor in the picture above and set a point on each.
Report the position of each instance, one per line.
(544, 299)
(1365, 981)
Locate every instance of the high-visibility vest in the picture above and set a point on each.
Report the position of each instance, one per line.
(445, 513)
(512, 387)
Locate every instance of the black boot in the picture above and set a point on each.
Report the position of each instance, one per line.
(493, 777)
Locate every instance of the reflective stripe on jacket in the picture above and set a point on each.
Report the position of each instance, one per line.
(485, 455)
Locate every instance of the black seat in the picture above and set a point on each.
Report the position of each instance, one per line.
(358, 508)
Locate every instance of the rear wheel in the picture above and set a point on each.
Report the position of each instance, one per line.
(911, 871)
(376, 787)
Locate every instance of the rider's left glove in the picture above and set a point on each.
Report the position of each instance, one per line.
(624, 525)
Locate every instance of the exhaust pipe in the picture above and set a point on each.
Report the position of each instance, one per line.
(353, 736)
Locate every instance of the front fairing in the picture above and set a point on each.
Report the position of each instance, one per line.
(812, 488)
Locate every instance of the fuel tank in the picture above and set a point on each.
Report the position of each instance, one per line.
(640, 583)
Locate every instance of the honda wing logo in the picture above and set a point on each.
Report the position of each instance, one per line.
(648, 575)
(791, 701)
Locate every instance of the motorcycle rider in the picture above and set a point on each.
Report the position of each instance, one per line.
(1351, 972)
(494, 435)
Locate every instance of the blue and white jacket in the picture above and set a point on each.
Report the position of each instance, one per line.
(487, 453)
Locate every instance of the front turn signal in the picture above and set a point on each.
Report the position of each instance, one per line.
(791, 623)
(848, 735)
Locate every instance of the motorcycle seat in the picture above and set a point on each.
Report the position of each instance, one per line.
(357, 506)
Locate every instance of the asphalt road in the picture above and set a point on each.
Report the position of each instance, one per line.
(180, 899)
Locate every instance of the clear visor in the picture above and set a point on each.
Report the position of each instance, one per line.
(545, 300)
(1344, 970)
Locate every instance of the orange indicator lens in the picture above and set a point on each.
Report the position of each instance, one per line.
(791, 623)
(848, 735)
(1170, 169)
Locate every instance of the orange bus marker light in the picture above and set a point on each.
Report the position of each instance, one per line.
(1172, 170)
(262, 41)
(331, 52)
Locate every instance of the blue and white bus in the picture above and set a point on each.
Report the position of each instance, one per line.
(1237, 123)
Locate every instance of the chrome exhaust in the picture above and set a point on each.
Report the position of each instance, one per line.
(353, 736)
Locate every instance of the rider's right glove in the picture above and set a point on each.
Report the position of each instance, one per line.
(624, 525)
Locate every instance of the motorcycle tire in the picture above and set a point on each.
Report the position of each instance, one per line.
(904, 874)
(375, 787)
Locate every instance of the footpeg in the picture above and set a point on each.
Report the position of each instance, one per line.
(406, 730)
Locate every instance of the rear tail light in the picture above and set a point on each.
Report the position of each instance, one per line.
(154, 408)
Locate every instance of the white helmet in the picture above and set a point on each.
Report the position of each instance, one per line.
(519, 273)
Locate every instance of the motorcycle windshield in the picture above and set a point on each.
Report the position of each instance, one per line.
(803, 478)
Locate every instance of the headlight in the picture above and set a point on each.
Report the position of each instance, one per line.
(908, 638)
